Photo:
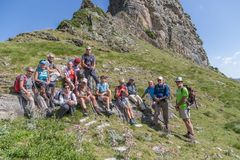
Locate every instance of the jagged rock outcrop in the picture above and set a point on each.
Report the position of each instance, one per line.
(166, 25)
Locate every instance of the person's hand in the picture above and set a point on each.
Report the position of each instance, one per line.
(28, 94)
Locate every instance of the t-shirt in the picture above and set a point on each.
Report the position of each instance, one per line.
(64, 98)
(89, 60)
(182, 92)
(70, 73)
(28, 82)
(120, 91)
(150, 91)
(102, 87)
(50, 65)
(161, 90)
(84, 91)
(42, 74)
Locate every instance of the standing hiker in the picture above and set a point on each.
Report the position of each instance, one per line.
(89, 64)
(161, 97)
(182, 107)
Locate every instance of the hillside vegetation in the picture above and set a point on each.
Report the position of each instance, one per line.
(217, 122)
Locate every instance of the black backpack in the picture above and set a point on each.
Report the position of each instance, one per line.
(191, 96)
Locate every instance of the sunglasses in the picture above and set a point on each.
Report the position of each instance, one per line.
(67, 87)
(30, 71)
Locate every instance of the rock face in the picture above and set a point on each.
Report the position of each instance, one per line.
(166, 25)
(10, 107)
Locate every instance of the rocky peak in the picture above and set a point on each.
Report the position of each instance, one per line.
(87, 4)
(165, 23)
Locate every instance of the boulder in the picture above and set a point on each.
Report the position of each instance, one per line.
(10, 106)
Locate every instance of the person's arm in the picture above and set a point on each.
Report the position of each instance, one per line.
(73, 100)
(61, 100)
(48, 78)
(83, 62)
(145, 92)
(94, 63)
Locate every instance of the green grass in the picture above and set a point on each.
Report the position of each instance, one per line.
(218, 116)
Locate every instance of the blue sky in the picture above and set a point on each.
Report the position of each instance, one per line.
(217, 21)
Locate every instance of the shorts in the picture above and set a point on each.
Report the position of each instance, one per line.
(184, 113)
(124, 103)
(52, 84)
(40, 84)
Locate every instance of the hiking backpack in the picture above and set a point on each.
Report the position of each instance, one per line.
(191, 99)
(16, 85)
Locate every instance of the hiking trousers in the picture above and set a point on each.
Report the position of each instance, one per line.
(162, 105)
(137, 100)
(88, 73)
(30, 108)
(65, 108)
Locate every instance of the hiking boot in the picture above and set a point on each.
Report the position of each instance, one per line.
(98, 111)
(190, 136)
(85, 114)
(112, 106)
(186, 135)
(132, 121)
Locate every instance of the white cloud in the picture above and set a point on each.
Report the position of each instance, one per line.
(228, 64)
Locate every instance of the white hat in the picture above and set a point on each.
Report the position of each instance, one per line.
(179, 79)
(84, 80)
(88, 47)
(160, 78)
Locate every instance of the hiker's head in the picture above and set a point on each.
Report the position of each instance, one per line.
(84, 81)
(67, 88)
(131, 80)
(160, 80)
(150, 83)
(43, 64)
(121, 81)
(50, 57)
(77, 61)
(88, 50)
(29, 71)
(179, 81)
(103, 79)
(70, 64)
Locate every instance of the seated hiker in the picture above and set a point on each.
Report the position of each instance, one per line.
(150, 91)
(54, 72)
(27, 91)
(78, 69)
(89, 64)
(161, 97)
(133, 96)
(68, 101)
(70, 76)
(104, 93)
(56, 97)
(85, 96)
(121, 95)
(42, 78)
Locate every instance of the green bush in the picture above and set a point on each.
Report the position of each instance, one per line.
(151, 34)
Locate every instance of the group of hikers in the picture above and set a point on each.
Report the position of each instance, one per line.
(38, 88)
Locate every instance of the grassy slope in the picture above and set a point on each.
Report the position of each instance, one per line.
(217, 121)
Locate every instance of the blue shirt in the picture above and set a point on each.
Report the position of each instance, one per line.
(42, 74)
(162, 90)
(150, 91)
(102, 87)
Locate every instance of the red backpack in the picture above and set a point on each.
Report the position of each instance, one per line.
(16, 85)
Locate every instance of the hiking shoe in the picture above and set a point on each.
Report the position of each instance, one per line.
(190, 136)
(112, 106)
(85, 114)
(186, 135)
